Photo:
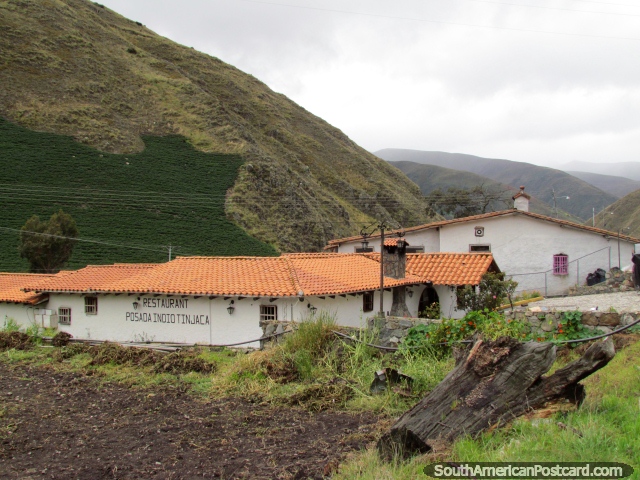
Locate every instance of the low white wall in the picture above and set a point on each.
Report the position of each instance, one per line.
(22, 314)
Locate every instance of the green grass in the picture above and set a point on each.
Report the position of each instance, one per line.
(609, 422)
(169, 194)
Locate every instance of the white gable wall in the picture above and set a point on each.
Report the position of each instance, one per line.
(429, 239)
(524, 245)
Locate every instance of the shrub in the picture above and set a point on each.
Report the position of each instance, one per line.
(431, 311)
(10, 325)
(440, 336)
(494, 290)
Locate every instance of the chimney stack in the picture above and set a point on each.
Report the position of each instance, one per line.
(395, 266)
(521, 200)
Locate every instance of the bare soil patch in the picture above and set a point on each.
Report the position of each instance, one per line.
(57, 425)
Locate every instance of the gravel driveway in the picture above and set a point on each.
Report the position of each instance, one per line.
(621, 302)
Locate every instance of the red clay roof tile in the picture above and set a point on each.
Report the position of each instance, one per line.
(11, 285)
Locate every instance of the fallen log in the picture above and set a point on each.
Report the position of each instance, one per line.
(492, 383)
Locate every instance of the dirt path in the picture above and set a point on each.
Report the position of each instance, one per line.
(61, 426)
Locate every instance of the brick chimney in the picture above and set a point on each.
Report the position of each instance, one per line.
(394, 263)
(521, 200)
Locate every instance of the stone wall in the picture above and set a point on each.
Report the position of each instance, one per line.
(546, 320)
(616, 281)
(391, 330)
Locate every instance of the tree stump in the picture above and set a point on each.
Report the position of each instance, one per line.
(493, 384)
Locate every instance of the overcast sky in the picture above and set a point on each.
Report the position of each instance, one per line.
(482, 77)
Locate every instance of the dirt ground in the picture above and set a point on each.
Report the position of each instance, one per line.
(61, 426)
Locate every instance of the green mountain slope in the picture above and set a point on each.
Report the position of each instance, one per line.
(623, 215)
(432, 177)
(76, 68)
(127, 206)
(618, 186)
(539, 181)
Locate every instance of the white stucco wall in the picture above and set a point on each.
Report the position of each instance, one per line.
(22, 314)
(117, 320)
(429, 239)
(198, 320)
(522, 246)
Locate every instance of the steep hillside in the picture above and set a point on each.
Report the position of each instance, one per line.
(629, 170)
(540, 181)
(618, 186)
(432, 177)
(623, 215)
(76, 68)
(127, 207)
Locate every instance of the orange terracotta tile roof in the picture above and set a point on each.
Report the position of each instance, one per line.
(338, 273)
(443, 268)
(11, 285)
(232, 276)
(93, 278)
(393, 241)
(451, 268)
(284, 276)
(473, 218)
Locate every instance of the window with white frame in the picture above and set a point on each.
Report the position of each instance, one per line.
(268, 312)
(367, 302)
(91, 305)
(64, 316)
(561, 264)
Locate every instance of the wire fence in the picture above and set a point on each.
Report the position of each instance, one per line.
(546, 281)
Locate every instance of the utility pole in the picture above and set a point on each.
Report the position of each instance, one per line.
(381, 227)
(594, 216)
(555, 207)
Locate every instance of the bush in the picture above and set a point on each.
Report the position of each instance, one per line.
(431, 311)
(10, 325)
(16, 340)
(493, 291)
(441, 336)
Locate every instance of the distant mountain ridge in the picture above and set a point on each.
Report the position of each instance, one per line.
(433, 177)
(542, 182)
(618, 186)
(629, 170)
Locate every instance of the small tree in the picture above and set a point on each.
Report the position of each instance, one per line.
(47, 246)
(465, 202)
(492, 291)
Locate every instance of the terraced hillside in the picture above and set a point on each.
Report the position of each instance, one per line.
(76, 68)
(130, 207)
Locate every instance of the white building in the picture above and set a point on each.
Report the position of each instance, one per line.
(541, 253)
(17, 305)
(224, 300)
